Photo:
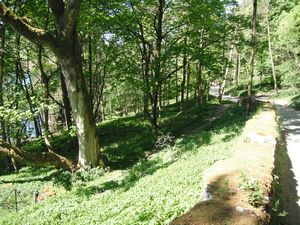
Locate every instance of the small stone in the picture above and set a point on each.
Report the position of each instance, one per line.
(243, 210)
(206, 196)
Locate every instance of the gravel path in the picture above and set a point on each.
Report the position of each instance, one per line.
(291, 123)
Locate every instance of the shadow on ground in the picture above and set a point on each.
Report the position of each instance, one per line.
(286, 189)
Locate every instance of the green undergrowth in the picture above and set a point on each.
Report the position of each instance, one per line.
(124, 140)
(155, 190)
(258, 87)
(295, 102)
(287, 92)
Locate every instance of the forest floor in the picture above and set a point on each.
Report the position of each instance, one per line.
(290, 119)
(151, 190)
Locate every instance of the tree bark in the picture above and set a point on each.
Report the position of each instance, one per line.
(225, 75)
(81, 107)
(184, 72)
(199, 78)
(147, 59)
(188, 82)
(251, 69)
(90, 61)
(237, 69)
(2, 33)
(271, 54)
(158, 25)
(176, 79)
(199, 84)
(66, 101)
(30, 91)
(45, 81)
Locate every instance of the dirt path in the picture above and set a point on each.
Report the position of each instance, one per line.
(216, 115)
(214, 90)
(291, 124)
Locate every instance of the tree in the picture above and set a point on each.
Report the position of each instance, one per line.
(271, 51)
(66, 47)
(251, 63)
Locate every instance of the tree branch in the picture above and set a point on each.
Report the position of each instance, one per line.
(36, 159)
(57, 102)
(30, 32)
(57, 8)
(71, 15)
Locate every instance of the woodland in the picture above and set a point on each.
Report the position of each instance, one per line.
(106, 105)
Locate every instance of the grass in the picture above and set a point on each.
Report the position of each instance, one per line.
(124, 141)
(265, 86)
(151, 190)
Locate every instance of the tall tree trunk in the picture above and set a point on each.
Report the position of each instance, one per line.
(199, 84)
(169, 91)
(226, 74)
(157, 63)
(160, 100)
(2, 122)
(30, 91)
(145, 89)
(237, 69)
(188, 82)
(261, 72)
(199, 78)
(145, 68)
(17, 87)
(71, 64)
(7, 160)
(154, 113)
(251, 69)
(176, 79)
(184, 72)
(66, 101)
(271, 54)
(45, 81)
(90, 60)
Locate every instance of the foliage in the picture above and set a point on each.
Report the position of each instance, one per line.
(295, 102)
(256, 196)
